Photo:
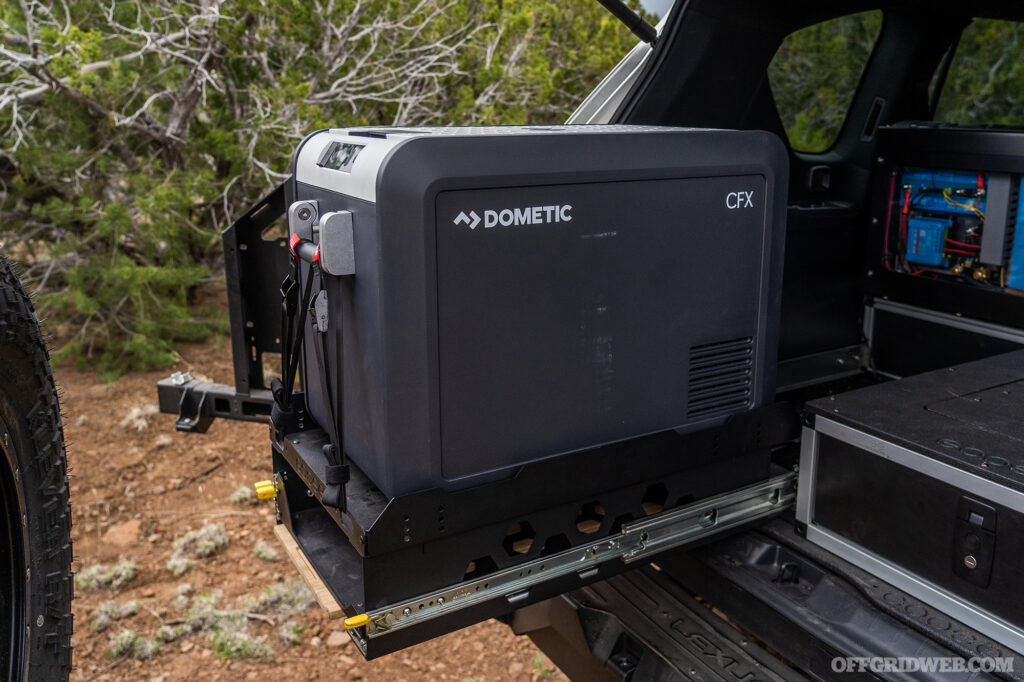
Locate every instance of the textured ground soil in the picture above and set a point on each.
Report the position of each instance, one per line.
(136, 488)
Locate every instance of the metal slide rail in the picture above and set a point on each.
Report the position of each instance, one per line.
(637, 541)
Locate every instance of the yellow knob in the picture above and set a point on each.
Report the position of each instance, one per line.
(265, 490)
(357, 621)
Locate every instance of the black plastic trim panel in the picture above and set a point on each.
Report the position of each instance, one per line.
(645, 627)
(810, 606)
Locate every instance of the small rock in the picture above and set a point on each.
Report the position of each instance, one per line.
(515, 669)
(347, 660)
(336, 639)
(317, 642)
(123, 534)
(149, 593)
(153, 538)
(186, 647)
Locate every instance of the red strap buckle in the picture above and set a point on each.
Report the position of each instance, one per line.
(316, 254)
(293, 241)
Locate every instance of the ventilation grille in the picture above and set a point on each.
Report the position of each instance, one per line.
(720, 378)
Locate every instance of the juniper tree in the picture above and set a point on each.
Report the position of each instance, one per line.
(132, 131)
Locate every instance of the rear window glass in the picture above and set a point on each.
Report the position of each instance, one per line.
(815, 73)
(985, 83)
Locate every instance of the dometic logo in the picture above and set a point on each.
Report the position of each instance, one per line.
(472, 219)
(507, 217)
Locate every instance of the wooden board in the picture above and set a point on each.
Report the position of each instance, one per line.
(320, 590)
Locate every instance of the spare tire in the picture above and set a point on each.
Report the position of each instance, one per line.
(35, 516)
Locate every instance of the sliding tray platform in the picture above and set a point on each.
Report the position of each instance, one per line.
(406, 569)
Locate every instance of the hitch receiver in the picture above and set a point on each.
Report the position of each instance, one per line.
(197, 403)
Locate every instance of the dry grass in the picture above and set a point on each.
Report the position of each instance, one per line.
(105, 576)
(196, 544)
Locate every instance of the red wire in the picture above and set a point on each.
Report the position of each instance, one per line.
(888, 220)
(967, 253)
(953, 241)
(903, 217)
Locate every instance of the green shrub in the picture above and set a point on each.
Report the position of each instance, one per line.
(284, 599)
(128, 642)
(104, 576)
(237, 643)
(171, 119)
(107, 612)
(121, 643)
(196, 544)
(264, 550)
(242, 495)
(291, 631)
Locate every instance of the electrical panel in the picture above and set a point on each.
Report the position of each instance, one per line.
(957, 225)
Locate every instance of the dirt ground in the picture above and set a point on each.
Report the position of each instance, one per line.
(137, 485)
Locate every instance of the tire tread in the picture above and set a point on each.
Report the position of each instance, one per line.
(49, 646)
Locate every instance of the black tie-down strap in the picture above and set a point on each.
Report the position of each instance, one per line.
(315, 304)
(336, 476)
(283, 414)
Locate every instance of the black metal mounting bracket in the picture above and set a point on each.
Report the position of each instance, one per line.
(198, 403)
(255, 262)
(254, 267)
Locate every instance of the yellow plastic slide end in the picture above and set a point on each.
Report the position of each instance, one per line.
(265, 490)
(357, 621)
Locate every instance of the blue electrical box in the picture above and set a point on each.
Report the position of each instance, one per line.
(931, 178)
(926, 187)
(926, 240)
